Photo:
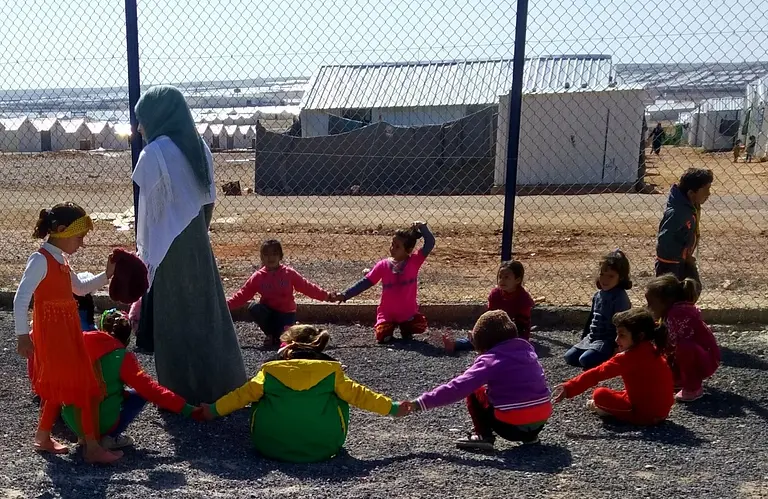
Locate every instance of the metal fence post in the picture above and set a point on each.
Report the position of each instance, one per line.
(134, 90)
(513, 136)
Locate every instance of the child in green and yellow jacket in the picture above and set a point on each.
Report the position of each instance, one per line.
(117, 368)
(300, 402)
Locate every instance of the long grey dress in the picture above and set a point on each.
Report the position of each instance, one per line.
(197, 354)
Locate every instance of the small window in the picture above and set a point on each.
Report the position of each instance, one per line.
(363, 115)
(729, 128)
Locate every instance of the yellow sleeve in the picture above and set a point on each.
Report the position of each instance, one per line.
(250, 392)
(360, 396)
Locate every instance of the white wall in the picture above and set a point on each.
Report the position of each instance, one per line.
(313, 123)
(709, 130)
(574, 138)
(28, 138)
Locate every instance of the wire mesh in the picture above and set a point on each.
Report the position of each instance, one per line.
(334, 124)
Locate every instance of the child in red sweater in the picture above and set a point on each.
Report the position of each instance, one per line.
(647, 395)
(692, 350)
(509, 296)
(276, 283)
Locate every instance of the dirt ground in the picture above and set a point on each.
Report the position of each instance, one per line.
(716, 447)
(332, 240)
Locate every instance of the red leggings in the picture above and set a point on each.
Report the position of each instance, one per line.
(618, 405)
(49, 412)
(417, 325)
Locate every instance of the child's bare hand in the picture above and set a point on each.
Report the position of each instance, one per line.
(24, 346)
(404, 409)
(110, 271)
(207, 413)
(558, 394)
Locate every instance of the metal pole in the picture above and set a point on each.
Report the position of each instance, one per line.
(513, 136)
(134, 90)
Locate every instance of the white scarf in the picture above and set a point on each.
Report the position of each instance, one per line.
(169, 198)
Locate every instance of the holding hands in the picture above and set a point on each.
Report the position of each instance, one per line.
(405, 408)
(336, 297)
(558, 394)
(203, 413)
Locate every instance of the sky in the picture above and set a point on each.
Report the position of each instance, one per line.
(79, 43)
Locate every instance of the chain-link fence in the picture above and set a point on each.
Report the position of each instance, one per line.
(334, 124)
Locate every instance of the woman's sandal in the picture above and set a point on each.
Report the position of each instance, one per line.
(475, 442)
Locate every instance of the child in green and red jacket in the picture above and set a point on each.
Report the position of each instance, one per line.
(300, 401)
(119, 368)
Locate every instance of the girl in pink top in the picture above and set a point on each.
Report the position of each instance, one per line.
(276, 283)
(398, 274)
(692, 350)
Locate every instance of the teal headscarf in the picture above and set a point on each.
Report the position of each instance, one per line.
(162, 110)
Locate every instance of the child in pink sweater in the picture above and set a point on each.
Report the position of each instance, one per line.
(399, 276)
(276, 310)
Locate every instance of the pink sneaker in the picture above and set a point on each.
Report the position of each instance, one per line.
(686, 396)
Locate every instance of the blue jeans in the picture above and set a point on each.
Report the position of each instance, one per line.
(132, 406)
(463, 345)
(587, 359)
(86, 321)
(270, 321)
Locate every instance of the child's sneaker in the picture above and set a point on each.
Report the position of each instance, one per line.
(114, 443)
(686, 396)
(384, 339)
(475, 442)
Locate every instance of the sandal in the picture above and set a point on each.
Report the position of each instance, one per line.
(475, 442)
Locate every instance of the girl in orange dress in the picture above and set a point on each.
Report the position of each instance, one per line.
(62, 372)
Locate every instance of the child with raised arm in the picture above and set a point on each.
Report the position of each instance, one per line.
(275, 283)
(399, 276)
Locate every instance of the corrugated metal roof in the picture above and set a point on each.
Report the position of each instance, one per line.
(722, 104)
(414, 84)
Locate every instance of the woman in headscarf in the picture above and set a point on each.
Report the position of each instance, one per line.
(184, 317)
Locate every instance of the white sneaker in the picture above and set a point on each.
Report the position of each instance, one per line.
(114, 443)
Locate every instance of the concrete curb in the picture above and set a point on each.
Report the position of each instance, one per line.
(448, 315)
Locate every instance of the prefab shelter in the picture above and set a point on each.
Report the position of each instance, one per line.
(715, 124)
(755, 120)
(218, 136)
(76, 136)
(583, 136)
(204, 129)
(19, 135)
(245, 137)
(119, 139)
(50, 130)
(102, 135)
(432, 93)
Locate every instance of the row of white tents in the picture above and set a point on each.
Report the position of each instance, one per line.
(52, 134)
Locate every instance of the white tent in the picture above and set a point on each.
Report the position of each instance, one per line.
(756, 116)
(205, 132)
(234, 137)
(244, 137)
(120, 137)
(76, 136)
(218, 136)
(19, 135)
(102, 135)
(50, 130)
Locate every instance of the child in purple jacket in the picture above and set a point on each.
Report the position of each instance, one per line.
(506, 390)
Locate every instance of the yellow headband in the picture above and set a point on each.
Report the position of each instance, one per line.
(79, 227)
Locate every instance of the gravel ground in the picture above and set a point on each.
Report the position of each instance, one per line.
(715, 447)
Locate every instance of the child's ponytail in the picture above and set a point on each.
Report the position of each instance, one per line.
(303, 337)
(691, 290)
(43, 225)
(409, 236)
(61, 214)
(659, 337)
(641, 325)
